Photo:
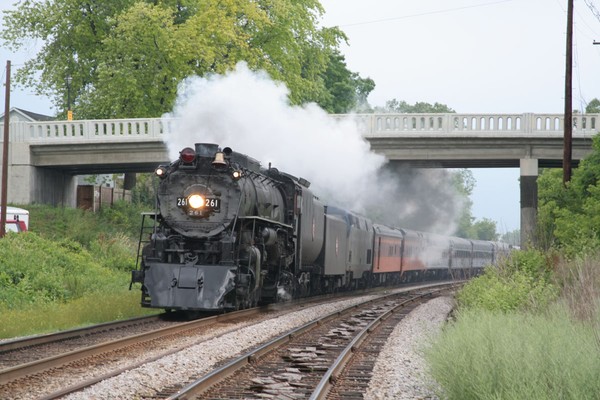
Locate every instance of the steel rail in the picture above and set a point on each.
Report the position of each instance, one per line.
(72, 333)
(9, 374)
(334, 372)
(207, 381)
(52, 362)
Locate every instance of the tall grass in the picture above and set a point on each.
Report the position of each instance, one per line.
(90, 309)
(580, 282)
(494, 355)
(529, 330)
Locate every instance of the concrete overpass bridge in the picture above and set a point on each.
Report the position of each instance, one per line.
(45, 157)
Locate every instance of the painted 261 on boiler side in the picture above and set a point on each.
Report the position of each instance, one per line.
(229, 234)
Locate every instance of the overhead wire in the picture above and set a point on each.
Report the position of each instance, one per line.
(446, 10)
(593, 8)
(581, 20)
(593, 33)
(576, 67)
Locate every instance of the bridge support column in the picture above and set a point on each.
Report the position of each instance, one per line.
(529, 202)
(54, 187)
(28, 184)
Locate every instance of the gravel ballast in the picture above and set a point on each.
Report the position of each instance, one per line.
(400, 372)
(200, 359)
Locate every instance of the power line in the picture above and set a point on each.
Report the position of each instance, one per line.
(447, 10)
(593, 8)
(576, 66)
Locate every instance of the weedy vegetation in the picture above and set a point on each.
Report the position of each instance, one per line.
(71, 269)
(530, 329)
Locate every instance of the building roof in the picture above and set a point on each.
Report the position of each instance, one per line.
(30, 115)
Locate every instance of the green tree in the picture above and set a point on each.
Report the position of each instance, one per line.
(484, 230)
(395, 106)
(468, 227)
(464, 182)
(141, 63)
(347, 90)
(593, 106)
(126, 57)
(71, 33)
(569, 217)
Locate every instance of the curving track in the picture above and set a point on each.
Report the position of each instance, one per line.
(85, 366)
(334, 354)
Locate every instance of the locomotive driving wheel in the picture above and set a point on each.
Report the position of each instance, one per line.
(286, 286)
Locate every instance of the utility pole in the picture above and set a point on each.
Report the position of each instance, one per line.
(568, 135)
(3, 199)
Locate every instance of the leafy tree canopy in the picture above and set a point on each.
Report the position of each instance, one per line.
(395, 106)
(347, 91)
(464, 182)
(125, 58)
(569, 217)
(484, 230)
(593, 107)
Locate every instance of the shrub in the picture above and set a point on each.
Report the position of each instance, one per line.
(37, 270)
(116, 252)
(522, 281)
(70, 269)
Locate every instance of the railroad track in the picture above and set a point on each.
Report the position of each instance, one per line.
(29, 349)
(333, 355)
(32, 377)
(26, 374)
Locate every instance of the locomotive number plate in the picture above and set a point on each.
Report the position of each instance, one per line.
(210, 203)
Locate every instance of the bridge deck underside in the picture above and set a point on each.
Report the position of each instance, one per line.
(478, 152)
(424, 151)
(99, 158)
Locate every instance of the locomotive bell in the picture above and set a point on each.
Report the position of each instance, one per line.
(219, 161)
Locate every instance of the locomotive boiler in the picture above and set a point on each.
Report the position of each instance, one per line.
(227, 234)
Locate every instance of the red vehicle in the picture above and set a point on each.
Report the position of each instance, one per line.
(15, 226)
(17, 220)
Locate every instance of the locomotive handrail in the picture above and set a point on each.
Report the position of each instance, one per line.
(256, 218)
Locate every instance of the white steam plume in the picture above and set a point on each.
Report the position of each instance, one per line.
(250, 113)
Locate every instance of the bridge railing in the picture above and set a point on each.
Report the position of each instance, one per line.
(89, 130)
(370, 125)
(392, 124)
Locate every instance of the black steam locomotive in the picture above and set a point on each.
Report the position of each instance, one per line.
(228, 234)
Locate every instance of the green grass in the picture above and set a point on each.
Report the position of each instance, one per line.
(71, 269)
(85, 226)
(494, 355)
(90, 309)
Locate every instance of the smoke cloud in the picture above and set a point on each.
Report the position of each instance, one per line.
(250, 113)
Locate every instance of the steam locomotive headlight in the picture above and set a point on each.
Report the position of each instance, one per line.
(196, 201)
(161, 172)
(237, 174)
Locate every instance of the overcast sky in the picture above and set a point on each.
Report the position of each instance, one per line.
(476, 56)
